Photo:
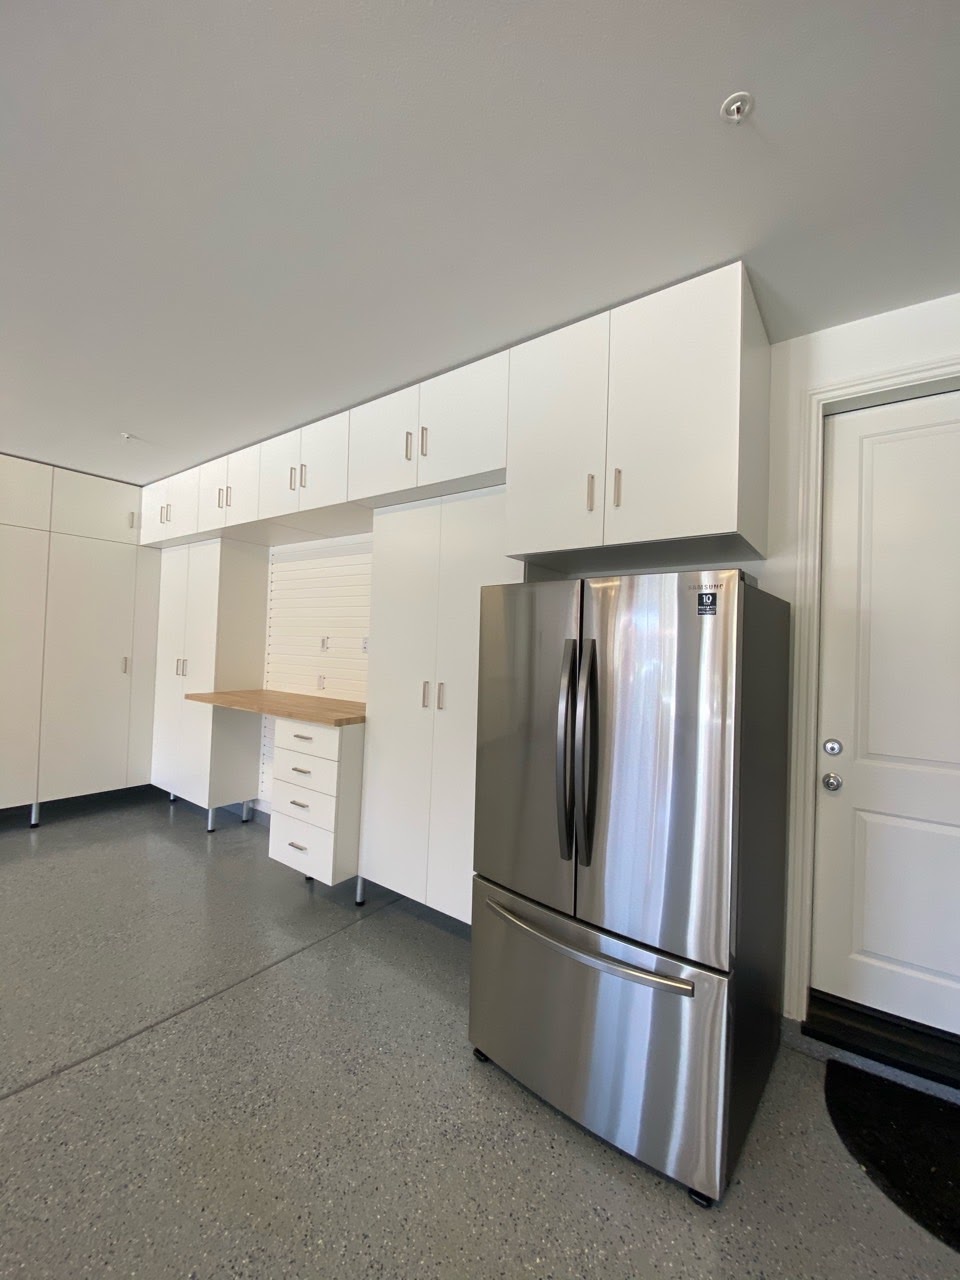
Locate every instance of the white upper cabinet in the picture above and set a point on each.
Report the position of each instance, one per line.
(212, 497)
(181, 505)
(153, 512)
(687, 435)
(25, 492)
(463, 421)
(384, 438)
(323, 462)
(95, 508)
(280, 475)
(557, 439)
(243, 485)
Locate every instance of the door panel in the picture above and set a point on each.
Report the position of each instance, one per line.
(464, 415)
(243, 485)
(165, 768)
(212, 497)
(628, 1043)
(279, 475)
(660, 865)
(94, 508)
(383, 444)
(887, 864)
(87, 666)
(471, 555)
(523, 633)
(23, 577)
(323, 457)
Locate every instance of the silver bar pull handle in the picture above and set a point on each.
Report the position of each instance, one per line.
(168, 513)
(440, 696)
(220, 498)
(568, 668)
(300, 848)
(617, 485)
(229, 496)
(408, 446)
(179, 665)
(163, 515)
(299, 804)
(304, 737)
(293, 478)
(425, 695)
(591, 487)
(184, 671)
(133, 519)
(585, 753)
(124, 665)
(303, 475)
(605, 964)
(296, 769)
(423, 441)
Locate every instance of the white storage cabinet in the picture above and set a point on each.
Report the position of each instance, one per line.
(429, 563)
(305, 469)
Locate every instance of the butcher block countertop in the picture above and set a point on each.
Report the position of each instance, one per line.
(288, 706)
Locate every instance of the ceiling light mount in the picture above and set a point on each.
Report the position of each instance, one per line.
(737, 107)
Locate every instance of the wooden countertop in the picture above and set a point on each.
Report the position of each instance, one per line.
(288, 706)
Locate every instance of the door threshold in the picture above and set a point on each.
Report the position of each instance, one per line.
(896, 1042)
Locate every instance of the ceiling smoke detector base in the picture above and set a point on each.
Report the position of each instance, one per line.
(737, 107)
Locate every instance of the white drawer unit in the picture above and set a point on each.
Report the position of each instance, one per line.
(315, 809)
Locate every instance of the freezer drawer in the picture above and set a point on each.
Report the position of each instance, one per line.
(631, 1045)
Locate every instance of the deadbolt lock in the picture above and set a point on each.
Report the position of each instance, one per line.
(832, 747)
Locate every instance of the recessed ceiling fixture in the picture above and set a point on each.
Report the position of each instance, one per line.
(128, 435)
(737, 107)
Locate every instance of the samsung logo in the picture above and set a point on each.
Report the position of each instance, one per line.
(705, 586)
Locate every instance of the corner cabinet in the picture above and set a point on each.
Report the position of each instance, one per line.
(211, 633)
(429, 563)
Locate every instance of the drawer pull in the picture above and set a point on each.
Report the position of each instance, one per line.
(300, 848)
(296, 769)
(299, 804)
(304, 737)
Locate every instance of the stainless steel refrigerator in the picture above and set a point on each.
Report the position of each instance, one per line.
(629, 854)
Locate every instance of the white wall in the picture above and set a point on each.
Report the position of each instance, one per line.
(866, 361)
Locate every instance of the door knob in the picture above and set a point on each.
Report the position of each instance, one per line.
(832, 781)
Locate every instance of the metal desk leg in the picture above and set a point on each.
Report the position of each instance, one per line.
(360, 896)
(211, 819)
(35, 814)
(245, 815)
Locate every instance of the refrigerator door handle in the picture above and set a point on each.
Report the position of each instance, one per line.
(568, 669)
(605, 964)
(585, 753)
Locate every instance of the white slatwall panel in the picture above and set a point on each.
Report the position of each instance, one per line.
(317, 590)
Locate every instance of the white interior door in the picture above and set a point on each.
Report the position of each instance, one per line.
(401, 695)
(887, 877)
(472, 555)
(23, 583)
(87, 666)
(165, 768)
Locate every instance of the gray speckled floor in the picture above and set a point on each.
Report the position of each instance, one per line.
(325, 1117)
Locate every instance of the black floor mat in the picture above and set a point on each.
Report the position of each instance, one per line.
(907, 1142)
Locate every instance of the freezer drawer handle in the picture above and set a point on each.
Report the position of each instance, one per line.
(616, 968)
(563, 780)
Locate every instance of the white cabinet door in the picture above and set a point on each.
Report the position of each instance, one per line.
(383, 445)
(400, 699)
(153, 512)
(323, 462)
(243, 485)
(144, 669)
(165, 769)
(183, 491)
(280, 475)
(472, 555)
(25, 492)
(199, 670)
(463, 421)
(87, 666)
(673, 428)
(94, 507)
(556, 443)
(23, 589)
(212, 497)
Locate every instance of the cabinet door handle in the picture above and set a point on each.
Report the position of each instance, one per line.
(168, 513)
(133, 519)
(408, 446)
(304, 737)
(425, 695)
(229, 496)
(591, 485)
(300, 848)
(163, 515)
(220, 498)
(440, 696)
(617, 485)
(179, 665)
(124, 665)
(299, 804)
(296, 769)
(293, 478)
(303, 475)
(423, 441)
(184, 671)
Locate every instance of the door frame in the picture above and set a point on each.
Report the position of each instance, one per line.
(908, 383)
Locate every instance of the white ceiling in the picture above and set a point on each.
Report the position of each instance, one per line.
(221, 219)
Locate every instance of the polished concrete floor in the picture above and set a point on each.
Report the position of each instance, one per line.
(210, 1070)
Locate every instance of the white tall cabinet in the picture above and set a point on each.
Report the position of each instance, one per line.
(211, 634)
(23, 578)
(429, 563)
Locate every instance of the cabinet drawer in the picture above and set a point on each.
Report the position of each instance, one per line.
(305, 771)
(299, 845)
(311, 739)
(309, 806)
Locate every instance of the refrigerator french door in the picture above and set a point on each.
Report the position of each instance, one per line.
(620, 866)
